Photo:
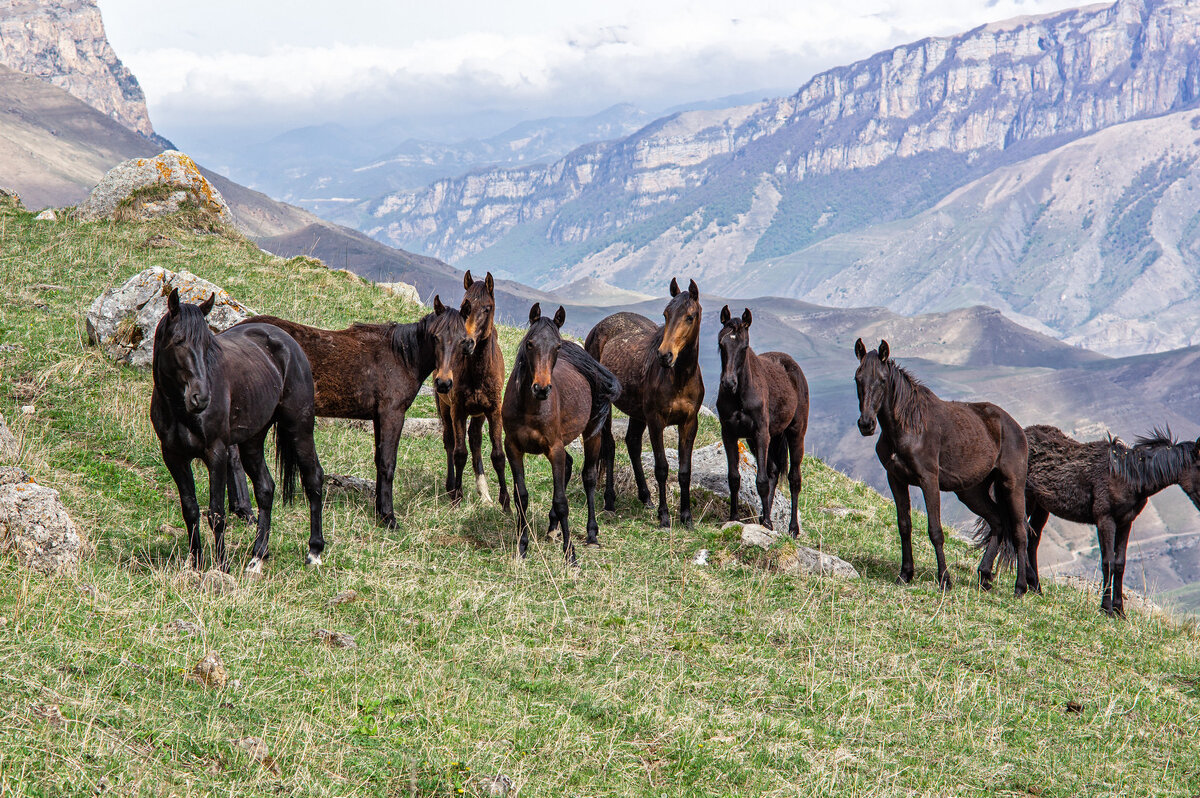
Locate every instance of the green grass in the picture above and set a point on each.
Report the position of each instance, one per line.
(637, 674)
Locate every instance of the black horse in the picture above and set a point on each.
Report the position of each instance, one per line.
(213, 393)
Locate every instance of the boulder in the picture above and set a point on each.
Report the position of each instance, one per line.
(790, 557)
(10, 449)
(35, 526)
(122, 320)
(402, 290)
(147, 188)
(710, 472)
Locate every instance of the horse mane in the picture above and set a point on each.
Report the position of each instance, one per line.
(196, 332)
(409, 341)
(907, 395)
(1154, 460)
(604, 384)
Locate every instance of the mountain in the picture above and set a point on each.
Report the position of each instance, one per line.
(856, 147)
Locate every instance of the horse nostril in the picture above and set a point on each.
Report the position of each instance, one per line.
(443, 386)
(666, 358)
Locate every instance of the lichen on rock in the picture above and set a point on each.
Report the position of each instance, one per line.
(146, 188)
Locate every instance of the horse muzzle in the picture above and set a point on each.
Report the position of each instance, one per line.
(866, 426)
(729, 384)
(196, 402)
(541, 392)
(667, 359)
(443, 386)
(468, 346)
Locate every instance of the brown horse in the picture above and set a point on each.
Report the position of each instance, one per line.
(1104, 483)
(659, 370)
(476, 394)
(970, 448)
(764, 399)
(556, 393)
(373, 371)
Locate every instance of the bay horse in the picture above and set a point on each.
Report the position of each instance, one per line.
(1104, 483)
(659, 370)
(373, 371)
(969, 448)
(555, 393)
(764, 399)
(476, 394)
(216, 392)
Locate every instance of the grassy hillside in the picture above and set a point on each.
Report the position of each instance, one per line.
(637, 674)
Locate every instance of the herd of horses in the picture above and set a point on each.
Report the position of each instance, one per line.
(216, 397)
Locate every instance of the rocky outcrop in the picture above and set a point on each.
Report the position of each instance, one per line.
(64, 43)
(122, 320)
(10, 448)
(147, 188)
(35, 527)
(406, 291)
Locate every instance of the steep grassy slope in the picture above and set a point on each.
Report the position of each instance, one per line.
(638, 674)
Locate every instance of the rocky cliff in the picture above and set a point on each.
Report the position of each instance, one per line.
(63, 42)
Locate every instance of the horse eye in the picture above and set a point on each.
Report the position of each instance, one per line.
(690, 317)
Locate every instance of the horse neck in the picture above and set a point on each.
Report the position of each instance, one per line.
(416, 346)
(903, 404)
(1149, 482)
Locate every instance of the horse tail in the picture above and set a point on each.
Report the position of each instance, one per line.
(1007, 557)
(287, 464)
(605, 385)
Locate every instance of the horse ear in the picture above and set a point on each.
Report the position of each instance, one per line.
(694, 290)
(467, 281)
(173, 302)
(725, 315)
(674, 287)
(747, 317)
(860, 349)
(883, 351)
(207, 305)
(490, 284)
(438, 307)
(560, 317)
(535, 312)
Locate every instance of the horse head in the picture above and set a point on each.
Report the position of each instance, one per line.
(871, 379)
(448, 333)
(733, 341)
(540, 348)
(478, 310)
(182, 342)
(682, 326)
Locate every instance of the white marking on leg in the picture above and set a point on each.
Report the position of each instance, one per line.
(482, 487)
(313, 559)
(254, 566)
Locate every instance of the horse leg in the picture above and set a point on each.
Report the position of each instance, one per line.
(185, 483)
(591, 467)
(264, 496)
(239, 496)
(312, 476)
(608, 456)
(217, 459)
(496, 430)
(1015, 495)
(795, 443)
(904, 525)
(633, 443)
(460, 452)
(1106, 530)
(387, 441)
(933, 512)
(448, 443)
(475, 441)
(733, 458)
(687, 439)
(762, 478)
(1038, 516)
(516, 463)
(979, 501)
(1118, 589)
(661, 471)
(560, 462)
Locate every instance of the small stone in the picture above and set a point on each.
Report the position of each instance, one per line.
(160, 241)
(209, 671)
(185, 628)
(217, 583)
(28, 410)
(47, 215)
(345, 597)
(49, 713)
(3, 622)
(811, 561)
(235, 685)
(335, 639)
(498, 785)
(403, 291)
(701, 557)
(754, 534)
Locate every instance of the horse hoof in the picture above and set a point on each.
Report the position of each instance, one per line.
(593, 544)
(313, 560)
(388, 521)
(686, 519)
(664, 520)
(254, 569)
(945, 585)
(903, 580)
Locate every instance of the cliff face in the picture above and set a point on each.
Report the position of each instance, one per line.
(63, 42)
(875, 141)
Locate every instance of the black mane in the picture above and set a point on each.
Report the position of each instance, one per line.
(413, 341)
(1154, 461)
(907, 392)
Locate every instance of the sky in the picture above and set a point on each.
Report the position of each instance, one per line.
(248, 68)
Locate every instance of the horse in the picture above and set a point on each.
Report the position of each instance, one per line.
(659, 369)
(969, 448)
(764, 399)
(1104, 483)
(216, 392)
(555, 393)
(476, 394)
(373, 371)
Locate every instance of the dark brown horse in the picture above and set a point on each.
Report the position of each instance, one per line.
(214, 393)
(764, 399)
(970, 448)
(659, 371)
(476, 394)
(1104, 483)
(556, 393)
(373, 371)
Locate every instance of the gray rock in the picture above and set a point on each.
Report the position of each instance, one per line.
(35, 526)
(10, 448)
(349, 484)
(335, 639)
(811, 561)
(403, 291)
(755, 534)
(121, 186)
(47, 215)
(183, 627)
(121, 321)
(420, 427)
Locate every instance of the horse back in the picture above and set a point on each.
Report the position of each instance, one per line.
(1066, 476)
(268, 376)
(788, 392)
(970, 440)
(621, 343)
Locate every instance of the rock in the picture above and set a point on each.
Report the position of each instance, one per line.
(345, 597)
(47, 215)
(754, 534)
(710, 472)
(335, 639)
(403, 291)
(185, 628)
(160, 241)
(810, 561)
(706, 412)
(498, 785)
(701, 557)
(28, 410)
(349, 484)
(217, 583)
(141, 188)
(10, 196)
(421, 427)
(122, 321)
(35, 526)
(50, 713)
(209, 671)
(256, 749)
(10, 448)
